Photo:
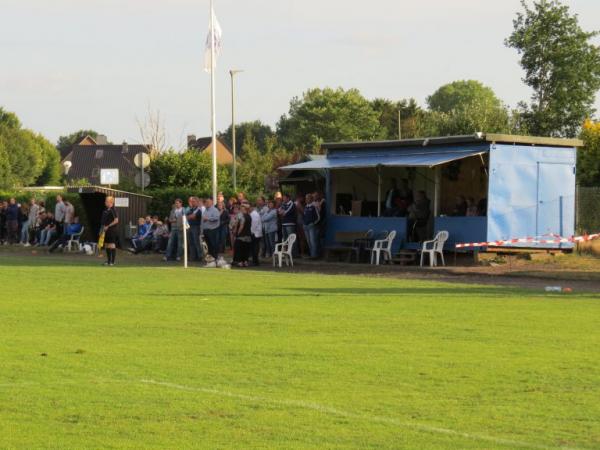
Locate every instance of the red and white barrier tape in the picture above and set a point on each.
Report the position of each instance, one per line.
(555, 240)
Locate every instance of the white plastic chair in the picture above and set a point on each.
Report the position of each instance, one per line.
(283, 251)
(383, 247)
(437, 247)
(75, 241)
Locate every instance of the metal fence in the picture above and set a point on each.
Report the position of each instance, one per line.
(588, 210)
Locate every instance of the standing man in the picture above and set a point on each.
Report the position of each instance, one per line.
(256, 230)
(262, 208)
(194, 218)
(3, 208)
(109, 222)
(223, 226)
(32, 218)
(12, 221)
(311, 218)
(269, 223)
(69, 212)
(287, 212)
(59, 214)
(210, 222)
(175, 245)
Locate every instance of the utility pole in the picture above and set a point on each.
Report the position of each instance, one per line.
(399, 124)
(233, 73)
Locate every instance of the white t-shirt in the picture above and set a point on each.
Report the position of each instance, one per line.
(256, 227)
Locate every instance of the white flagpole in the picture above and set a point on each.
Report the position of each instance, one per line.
(185, 246)
(212, 100)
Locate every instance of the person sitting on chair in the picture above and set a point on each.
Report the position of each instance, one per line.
(460, 208)
(70, 230)
(472, 210)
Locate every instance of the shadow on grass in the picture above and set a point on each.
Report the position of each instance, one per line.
(442, 291)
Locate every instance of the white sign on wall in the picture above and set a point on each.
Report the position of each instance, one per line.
(109, 176)
(122, 202)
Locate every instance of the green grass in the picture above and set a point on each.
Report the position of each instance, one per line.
(159, 357)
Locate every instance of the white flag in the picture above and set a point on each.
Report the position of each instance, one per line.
(207, 51)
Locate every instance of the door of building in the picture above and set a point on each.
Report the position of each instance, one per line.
(556, 194)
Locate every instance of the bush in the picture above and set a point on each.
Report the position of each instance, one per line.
(588, 213)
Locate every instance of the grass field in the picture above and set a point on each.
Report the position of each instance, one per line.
(161, 358)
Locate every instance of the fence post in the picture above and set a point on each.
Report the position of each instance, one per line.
(577, 219)
(560, 212)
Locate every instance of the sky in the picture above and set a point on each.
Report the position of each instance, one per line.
(67, 65)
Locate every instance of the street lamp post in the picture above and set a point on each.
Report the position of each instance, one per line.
(233, 73)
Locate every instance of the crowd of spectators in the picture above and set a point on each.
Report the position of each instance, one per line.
(248, 230)
(30, 224)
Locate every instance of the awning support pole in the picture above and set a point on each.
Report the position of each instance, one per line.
(378, 191)
(438, 185)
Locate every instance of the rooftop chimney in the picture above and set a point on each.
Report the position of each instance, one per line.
(191, 140)
(125, 148)
(101, 139)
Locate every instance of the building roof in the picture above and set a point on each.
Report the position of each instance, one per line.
(103, 190)
(88, 140)
(87, 161)
(466, 139)
(203, 142)
(224, 152)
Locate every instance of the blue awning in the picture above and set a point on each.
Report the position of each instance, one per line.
(409, 159)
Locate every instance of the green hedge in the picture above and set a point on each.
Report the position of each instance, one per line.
(588, 210)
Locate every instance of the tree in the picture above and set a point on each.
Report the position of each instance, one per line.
(153, 132)
(9, 119)
(190, 169)
(561, 65)
(327, 115)
(65, 143)
(23, 154)
(258, 168)
(456, 95)
(51, 169)
(258, 130)
(388, 110)
(5, 172)
(26, 158)
(466, 107)
(588, 161)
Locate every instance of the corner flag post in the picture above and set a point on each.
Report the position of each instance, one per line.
(186, 227)
(212, 101)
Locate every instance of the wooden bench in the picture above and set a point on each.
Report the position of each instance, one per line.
(345, 245)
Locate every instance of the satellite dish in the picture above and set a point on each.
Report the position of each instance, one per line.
(67, 165)
(139, 180)
(141, 160)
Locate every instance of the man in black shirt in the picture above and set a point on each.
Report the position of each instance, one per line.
(109, 224)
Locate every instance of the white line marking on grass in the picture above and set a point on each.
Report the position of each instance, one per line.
(349, 415)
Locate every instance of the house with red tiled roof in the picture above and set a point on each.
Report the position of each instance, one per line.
(204, 145)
